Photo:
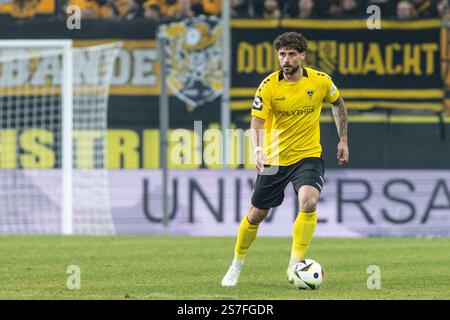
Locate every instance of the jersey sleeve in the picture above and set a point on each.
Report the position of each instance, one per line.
(331, 91)
(262, 104)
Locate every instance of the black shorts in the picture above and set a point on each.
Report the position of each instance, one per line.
(268, 191)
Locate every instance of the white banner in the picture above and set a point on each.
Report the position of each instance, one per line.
(354, 203)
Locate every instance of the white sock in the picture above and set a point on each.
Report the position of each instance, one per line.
(237, 263)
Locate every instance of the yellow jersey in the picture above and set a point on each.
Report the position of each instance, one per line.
(291, 111)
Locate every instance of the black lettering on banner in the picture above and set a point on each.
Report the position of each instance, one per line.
(251, 183)
(296, 208)
(431, 206)
(237, 187)
(270, 215)
(341, 200)
(389, 196)
(146, 202)
(321, 220)
(193, 188)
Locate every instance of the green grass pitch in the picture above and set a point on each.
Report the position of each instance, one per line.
(35, 267)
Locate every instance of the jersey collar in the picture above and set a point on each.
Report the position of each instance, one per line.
(280, 74)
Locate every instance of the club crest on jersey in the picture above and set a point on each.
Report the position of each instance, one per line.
(310, 93)
(193, 59)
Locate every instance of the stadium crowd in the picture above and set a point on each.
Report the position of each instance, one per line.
(276, 9)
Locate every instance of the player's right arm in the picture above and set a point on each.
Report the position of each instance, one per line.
(261, 110)
(256, 135)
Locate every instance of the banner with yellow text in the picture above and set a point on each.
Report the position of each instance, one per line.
(397, 66)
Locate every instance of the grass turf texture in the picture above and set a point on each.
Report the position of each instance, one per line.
(34, 267)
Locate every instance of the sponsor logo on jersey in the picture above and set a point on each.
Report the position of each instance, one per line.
(295, 113)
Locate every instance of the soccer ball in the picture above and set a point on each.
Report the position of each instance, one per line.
(308, 274)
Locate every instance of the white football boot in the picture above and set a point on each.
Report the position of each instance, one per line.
(232, 276)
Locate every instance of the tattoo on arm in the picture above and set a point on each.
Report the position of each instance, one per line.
(340, 116)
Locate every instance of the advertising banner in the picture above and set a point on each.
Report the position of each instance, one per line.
(354, 203)
(395, 66)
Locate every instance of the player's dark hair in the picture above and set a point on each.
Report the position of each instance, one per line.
(291, 40)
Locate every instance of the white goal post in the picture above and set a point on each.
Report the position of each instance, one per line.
(52, 94)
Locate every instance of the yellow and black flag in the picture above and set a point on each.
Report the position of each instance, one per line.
(27, 8)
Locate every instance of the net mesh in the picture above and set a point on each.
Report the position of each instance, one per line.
(31, 140)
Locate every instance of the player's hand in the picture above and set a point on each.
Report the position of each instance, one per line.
(260, 158)
(342, 153)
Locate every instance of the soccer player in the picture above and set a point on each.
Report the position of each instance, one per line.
(287, 109)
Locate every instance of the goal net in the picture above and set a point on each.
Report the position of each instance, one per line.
(53, 105)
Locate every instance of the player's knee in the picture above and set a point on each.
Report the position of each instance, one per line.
(308, 204)
(256, 215)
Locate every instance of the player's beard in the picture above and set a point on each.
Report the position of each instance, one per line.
(293, 70)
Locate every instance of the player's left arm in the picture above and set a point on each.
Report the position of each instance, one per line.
(333, 96)
(341, 119)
